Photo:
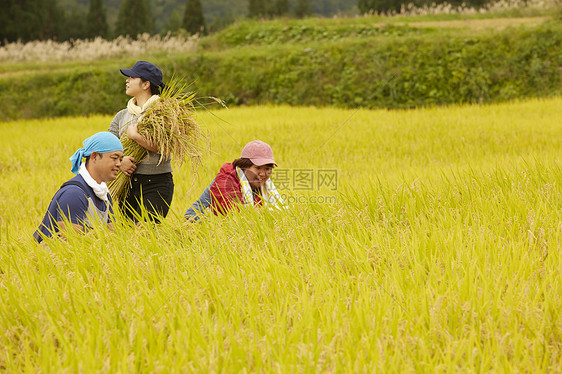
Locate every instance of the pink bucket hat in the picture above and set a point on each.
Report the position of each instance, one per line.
(258, 152)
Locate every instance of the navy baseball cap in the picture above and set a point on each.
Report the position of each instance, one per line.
(145, 70)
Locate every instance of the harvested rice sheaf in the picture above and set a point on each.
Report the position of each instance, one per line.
(170, 125)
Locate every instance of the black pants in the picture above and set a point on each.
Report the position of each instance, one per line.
(153, 193)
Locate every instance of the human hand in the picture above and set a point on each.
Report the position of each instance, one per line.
(128, 165)
(133, 134)
(133, 131)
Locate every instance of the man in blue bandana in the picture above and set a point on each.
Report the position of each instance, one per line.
(85, 198)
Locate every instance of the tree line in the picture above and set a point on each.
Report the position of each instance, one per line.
(28, 20)
(45, 19)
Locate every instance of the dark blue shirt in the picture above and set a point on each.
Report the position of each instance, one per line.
(70, 203)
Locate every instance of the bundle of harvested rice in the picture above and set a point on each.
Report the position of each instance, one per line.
(170, 125)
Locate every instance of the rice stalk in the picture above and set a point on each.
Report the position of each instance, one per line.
(170, 126)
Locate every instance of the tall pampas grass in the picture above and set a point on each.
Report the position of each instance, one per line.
(96, 49)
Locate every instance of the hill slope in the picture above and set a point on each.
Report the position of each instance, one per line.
(369, 62)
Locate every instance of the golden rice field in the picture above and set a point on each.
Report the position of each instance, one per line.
(436, 249)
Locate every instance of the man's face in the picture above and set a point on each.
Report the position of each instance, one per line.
(106, 165)
(258, 175)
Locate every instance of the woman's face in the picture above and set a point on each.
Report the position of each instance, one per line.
(258, 175)
(134, 86)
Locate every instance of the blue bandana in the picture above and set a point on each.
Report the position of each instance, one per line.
(102, 142)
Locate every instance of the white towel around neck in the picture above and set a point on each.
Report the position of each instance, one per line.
(100, 189)
(136, 110)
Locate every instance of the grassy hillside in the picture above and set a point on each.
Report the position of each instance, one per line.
(396, 62)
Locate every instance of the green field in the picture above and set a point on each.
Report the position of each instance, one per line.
(437, 251)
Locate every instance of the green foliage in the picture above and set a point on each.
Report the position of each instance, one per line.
(281, 7)
(215, 12)
(174, 23)
(76, 92)
(218, 12)
(277, 8)
(256, 8)
(368, 6)
(330, 7)
(221, 22)
(74, 24)
(193, 20)
(97, 22)
(31, 20)
(135, 17)
(302, 8)
(348, 65)
(275, 32)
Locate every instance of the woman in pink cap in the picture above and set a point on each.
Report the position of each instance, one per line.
(244, 181)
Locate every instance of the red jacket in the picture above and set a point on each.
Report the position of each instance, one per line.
(226, 191)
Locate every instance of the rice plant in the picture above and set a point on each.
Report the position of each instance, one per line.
(440, 253)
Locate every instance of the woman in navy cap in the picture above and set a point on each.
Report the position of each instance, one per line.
(152, 185)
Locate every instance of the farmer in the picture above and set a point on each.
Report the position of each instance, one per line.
(245, 182)
(85, 198)
(152, 185)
